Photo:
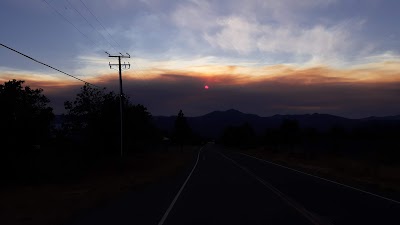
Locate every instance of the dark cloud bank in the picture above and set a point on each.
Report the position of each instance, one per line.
(168, 93)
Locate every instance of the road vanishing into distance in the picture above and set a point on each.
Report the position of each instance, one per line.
(230, 188)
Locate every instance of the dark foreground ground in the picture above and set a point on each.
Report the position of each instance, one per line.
(104, 183)
(231, 188)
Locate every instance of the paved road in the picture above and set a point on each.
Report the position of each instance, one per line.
(231, 188)
(333, 203)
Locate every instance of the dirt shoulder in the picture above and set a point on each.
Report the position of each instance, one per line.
(364, 174)
(56, 203)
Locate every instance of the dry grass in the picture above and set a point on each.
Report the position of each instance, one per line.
(54, 204)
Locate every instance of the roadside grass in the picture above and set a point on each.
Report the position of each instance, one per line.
(54, 204)
(362, 173)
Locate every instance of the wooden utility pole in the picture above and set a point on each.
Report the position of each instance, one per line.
(120, 88)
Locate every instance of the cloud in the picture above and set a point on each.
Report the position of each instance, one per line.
(301, 91)
(278, 30)
(319, 43)
(235, 34)
(371, 89)
(290, 11)
(193, 14)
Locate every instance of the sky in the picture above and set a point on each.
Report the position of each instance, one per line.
(265, 57)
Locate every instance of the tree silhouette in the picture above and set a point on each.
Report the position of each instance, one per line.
(94, 117)
(239, 136)
(86, 108)
(140, 130)
(182, 131)
(26, 115)
(290, 132)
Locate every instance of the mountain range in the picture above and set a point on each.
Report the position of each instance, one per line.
(212, 125)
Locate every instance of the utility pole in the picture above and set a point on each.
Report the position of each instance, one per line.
(120, 88)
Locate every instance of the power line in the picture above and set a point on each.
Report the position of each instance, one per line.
(100, 23)
(65, 18)
(111, 37)
(140, 73)
(87, 21)
(47, 65)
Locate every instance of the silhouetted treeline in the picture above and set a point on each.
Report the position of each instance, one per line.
(375, 140)
(26, 119)
(25, 116)
(93, 122)
(182, 132)
(240, 136)
(33, 150)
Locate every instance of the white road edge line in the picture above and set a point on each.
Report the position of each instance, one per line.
(310, 216)
(179, 192)
(324, 179)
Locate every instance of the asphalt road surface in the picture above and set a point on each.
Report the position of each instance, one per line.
(231, 188)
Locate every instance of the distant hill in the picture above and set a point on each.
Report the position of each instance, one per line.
(382, 118)
(213, 124)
